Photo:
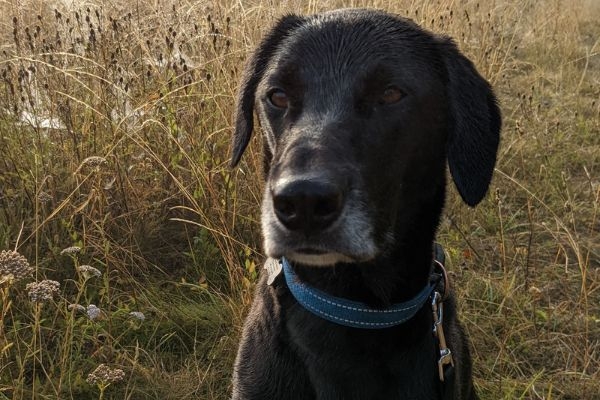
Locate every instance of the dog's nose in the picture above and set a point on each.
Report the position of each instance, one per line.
(308, 206)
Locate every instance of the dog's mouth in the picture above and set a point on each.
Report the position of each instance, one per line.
(318, 258)
(310, 251)
(322, 257)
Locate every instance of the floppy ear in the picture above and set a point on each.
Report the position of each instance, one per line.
(253, 73)
(475, 131)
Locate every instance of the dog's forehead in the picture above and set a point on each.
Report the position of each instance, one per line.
(336, 43)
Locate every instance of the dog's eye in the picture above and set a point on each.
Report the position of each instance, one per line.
(279, 98)
(391, 95)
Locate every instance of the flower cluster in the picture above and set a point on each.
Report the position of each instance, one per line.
(76, 307)
(103, 374)
(138, 315)
(14, 265)
(88, 271)
(42, 291)
(71, 250)
(93, 312)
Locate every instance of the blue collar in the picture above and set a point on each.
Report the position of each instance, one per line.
(351, 313)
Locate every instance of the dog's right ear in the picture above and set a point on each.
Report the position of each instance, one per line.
(253, 73)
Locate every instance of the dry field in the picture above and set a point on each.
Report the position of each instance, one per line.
(130, 248)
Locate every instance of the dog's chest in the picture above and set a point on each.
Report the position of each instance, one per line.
(347, 363)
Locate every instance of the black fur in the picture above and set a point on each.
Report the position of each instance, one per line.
(378, 171)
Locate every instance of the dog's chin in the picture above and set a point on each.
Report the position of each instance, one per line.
(319, 260)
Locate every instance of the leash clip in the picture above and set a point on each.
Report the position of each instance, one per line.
(445, 359)
(438, 312)
(437, 306)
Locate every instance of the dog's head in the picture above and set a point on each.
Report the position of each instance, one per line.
(360, 111)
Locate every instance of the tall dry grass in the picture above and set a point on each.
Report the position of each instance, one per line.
(114, 127)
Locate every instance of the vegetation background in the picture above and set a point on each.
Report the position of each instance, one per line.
(115, 120)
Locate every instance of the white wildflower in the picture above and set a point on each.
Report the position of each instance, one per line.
(14, 265)
(103, 374)
(138, 315)
(71, 250)
(43, 291)
(93, 312)
(88, 271)
(76, 307)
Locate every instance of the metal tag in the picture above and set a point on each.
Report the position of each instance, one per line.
(273, 268)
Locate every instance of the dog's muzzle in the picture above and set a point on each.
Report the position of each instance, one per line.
(316, 219)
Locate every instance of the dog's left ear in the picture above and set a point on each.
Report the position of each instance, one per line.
(476, 122)
(253, 73)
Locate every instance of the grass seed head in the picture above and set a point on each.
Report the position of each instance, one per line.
(44, 197)
(93, 162)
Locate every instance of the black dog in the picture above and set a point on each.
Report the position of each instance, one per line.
(360, 111)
